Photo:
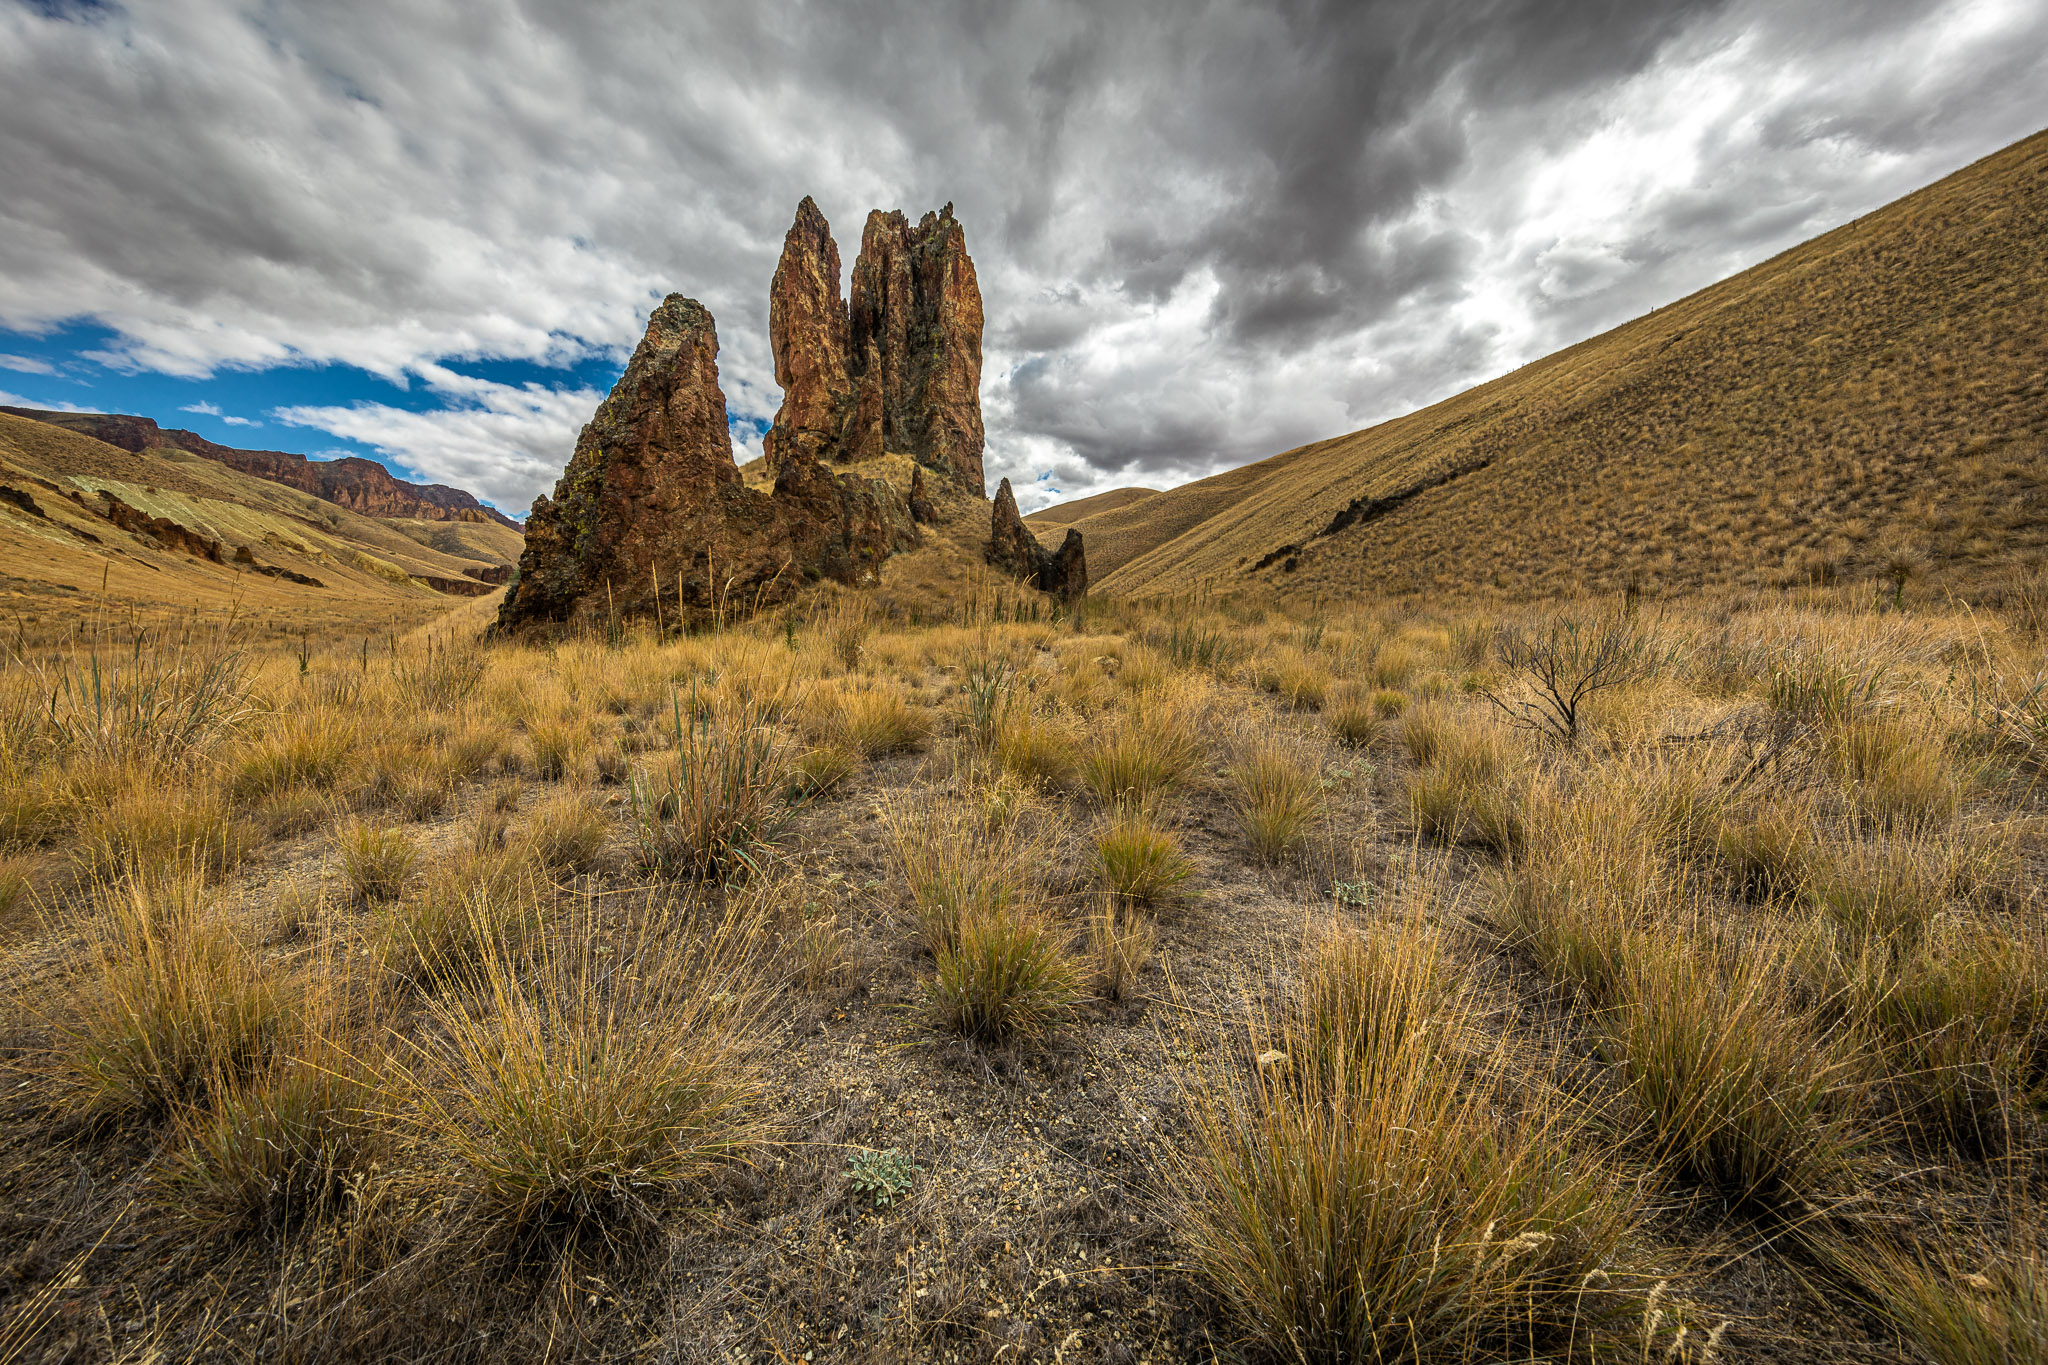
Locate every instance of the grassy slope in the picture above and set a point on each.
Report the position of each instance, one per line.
(1876, 394)
(50, 570)
(1051, 523)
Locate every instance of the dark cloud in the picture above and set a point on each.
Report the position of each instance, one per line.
(1205, 233)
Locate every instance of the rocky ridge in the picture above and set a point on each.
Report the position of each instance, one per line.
(360, 485)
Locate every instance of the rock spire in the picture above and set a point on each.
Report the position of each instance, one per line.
(895, 367)
(651, 518)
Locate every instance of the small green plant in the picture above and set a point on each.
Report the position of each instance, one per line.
(881, 1177)
(988, 690)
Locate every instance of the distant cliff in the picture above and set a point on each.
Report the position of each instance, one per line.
(360, 485)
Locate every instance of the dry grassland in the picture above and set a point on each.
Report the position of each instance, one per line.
(1160, 985)
(1871, 403)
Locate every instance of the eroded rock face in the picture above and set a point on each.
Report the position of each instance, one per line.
(807, 333)
(897, 367)
(1015, 551)
(915, 334)
(651, 517)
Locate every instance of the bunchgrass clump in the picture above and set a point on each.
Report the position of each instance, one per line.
(877, 721)
(312, 749)
(476, 904)
(567, 834)
(1744, 1095)
(1037, 750)
(376, 860)
(1120, 942)
(1277, 796)
(720, 805)
(145, 831)
(558, 747)
(1140, 761)
(1005, 976)
(1353, 719)
(1987, 1305)
(281, 1143)
(165, 999)
(954, 867)
(1362, 1185)
(572, 1093)
(1141, 863)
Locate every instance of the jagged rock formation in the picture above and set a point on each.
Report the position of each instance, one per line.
(651, 518)
(1015, 551)
(897, 367)
(163, 530)
(360, 485)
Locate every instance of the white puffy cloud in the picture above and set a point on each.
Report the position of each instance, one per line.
(499, 441)
(1204, 234)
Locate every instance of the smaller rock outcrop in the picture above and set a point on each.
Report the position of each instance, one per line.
(921, 510)
(163, 530)
(1015, 551)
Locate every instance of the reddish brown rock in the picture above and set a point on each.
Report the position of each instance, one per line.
(897, 366)
(163, 530)
(1064, 573)
(807, 334)
(915, 336)
(1013, 550)
(651, 519)
(921, 509)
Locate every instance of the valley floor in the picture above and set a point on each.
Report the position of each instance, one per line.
(1177, 983)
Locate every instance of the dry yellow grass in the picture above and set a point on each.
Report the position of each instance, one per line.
(1867, 406)
(1026, 904)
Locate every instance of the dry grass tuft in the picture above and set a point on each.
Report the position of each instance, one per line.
(720, 805)
(1358, 1188)
(576, 1094)
(1120, 942)
(165, 1000)
(376, 860)
(1276, 794)
(954, 868)
(567, 834)
(1141, 863)
(1006, 975)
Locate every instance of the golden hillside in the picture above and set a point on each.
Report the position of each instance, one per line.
(1051, 523)
(65, 553)
(1872, 401)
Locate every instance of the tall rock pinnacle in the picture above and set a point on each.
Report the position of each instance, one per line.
(898, 366)
(807, 333)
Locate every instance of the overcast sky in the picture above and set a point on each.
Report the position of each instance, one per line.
(1206, 232)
